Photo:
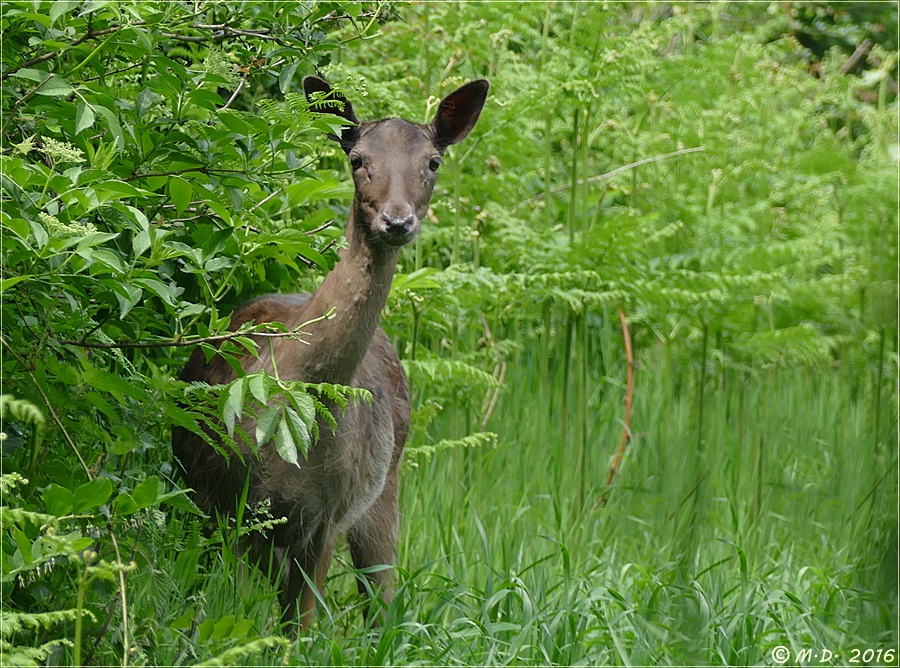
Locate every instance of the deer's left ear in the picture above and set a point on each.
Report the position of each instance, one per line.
(458, 113)
(335, 103)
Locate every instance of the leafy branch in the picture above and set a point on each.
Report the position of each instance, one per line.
(261, 330)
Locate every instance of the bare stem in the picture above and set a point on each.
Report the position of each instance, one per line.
(629, 393)
(177, 343)
(609, 175)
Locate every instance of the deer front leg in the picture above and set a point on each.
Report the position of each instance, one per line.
(372, 540)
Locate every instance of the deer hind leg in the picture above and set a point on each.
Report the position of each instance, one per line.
(372, 540)
(312, 564)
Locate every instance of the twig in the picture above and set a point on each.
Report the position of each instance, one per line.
(861, 50)
(629, 393)
(53, 414)
(617, 170)
(12, 112)
(323, 226)
(496, 394)
(237, 91)
(126, 650)
(177, 343)
(50, 55)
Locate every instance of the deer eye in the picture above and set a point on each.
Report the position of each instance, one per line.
(433, 164)
(355, 162)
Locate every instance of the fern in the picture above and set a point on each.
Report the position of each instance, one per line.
(20, 409)
(414, 455)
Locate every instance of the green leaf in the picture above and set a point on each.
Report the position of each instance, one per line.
(57, 499)
(9, 282)
(54, 86)
(112, 121)
(84, 117)
(234, 405)
(165, 292)
(257, 385)
(126, 294)
(284, 443)
(287, 75)
(205, 629)
(91, 495)
(25, 545)
(147, 492)
(185, 621)
(241, 628)
(266, 424)
(222, 628)
(180, 191)
(141, 242)
(125, 504)
(61, 7)
(300, 431)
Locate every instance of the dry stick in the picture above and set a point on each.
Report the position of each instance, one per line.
(861, 50)
(617, 170)
(629, 393)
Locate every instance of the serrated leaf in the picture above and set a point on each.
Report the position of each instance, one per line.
(55, 87)
(91, 495)
(236, 397)
(165, 292)
(112, 121)
(84, 117)
(284, 443)
(300, 431)
(143, 101)
(305, 406)
(257, 385)
(266, 425)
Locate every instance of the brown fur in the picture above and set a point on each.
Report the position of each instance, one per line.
(349, 483)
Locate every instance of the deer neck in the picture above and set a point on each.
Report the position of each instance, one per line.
(356, 290)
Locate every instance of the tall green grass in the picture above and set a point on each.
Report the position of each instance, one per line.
(773, 522)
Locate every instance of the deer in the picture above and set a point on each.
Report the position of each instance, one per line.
(348, 484)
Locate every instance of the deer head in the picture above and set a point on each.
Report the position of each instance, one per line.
(395, 162)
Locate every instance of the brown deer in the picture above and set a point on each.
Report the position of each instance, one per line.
(348, 484)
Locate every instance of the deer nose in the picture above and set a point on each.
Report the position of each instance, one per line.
(397, 224)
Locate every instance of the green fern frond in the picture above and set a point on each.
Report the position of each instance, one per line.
(235, 655)
(477, 440)
(20, 409)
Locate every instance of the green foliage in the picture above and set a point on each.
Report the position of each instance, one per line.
(158, 168)
(712, 169)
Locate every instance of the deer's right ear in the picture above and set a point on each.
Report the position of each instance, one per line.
(333, 102)
(458, 112)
